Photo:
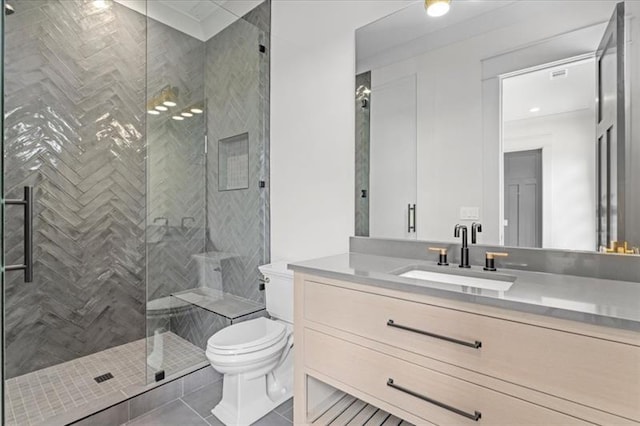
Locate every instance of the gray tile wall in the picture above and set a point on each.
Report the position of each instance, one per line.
(176, 163)
(74, 123)
(236, 87)
(363, 125)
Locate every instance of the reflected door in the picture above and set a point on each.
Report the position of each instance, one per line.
(393, 175)
(610, 136)
(523, 198)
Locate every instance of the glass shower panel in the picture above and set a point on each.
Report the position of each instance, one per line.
(237, 82)
(205, 238)
(176, 221)
(2, 419)
(74, 114)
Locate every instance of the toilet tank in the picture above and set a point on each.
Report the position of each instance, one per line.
(279, 290)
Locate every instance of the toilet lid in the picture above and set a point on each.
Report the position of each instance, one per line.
(247, 335)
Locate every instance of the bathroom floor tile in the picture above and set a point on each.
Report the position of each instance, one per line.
(204, 399)
(285, 407)
(272, 419)
(172, 414)
(34, 397)
(213, 421)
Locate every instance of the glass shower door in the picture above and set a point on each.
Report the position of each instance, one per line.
(74, 97)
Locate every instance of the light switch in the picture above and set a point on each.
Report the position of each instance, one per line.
(469, 213)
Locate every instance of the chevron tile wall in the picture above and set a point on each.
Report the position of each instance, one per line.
(176, 163)
(104, 171)
(74, 129)
(237, 93)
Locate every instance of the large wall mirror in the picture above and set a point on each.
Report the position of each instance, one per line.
(514, 114)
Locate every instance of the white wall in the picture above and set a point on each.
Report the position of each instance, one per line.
(313, 123)
(569, 177)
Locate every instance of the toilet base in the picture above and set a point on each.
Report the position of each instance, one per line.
(246, 400)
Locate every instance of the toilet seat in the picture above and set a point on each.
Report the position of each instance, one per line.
(247, 337)
(254, 359)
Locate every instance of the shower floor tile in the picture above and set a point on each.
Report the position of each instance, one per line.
(33, 398)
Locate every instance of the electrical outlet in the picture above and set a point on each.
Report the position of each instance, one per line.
(469, 213)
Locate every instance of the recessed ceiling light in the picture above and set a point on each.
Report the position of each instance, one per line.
(161, 108)
(153, 112)
(178, 118)
(534, 109)
(196, 110)
(169, 103)
(186, 114)
(437, 8)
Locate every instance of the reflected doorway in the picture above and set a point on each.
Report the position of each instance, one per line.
(523, 198)
(548, 123)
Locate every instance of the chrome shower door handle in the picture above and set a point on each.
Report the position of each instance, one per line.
(27, 203)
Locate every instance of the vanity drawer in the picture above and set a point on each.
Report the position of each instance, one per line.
(599, 373)
(408, 386)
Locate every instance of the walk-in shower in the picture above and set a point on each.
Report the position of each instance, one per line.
(140, 132)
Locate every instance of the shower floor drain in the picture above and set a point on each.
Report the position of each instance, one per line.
(103, 378)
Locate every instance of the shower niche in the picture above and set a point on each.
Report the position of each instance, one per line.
(233, 163)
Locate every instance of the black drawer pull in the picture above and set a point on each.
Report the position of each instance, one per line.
(476, 345)
(475, 416)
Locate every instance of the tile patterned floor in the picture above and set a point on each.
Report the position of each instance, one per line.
(194, 409)
(34, 397)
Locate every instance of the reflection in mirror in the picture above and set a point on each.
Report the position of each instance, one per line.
(515, 114)
(548, 128)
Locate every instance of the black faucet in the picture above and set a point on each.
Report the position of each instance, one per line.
(475, 228)
(464, 251)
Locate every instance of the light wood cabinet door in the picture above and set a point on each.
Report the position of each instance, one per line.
(428, 394)
(595, 372)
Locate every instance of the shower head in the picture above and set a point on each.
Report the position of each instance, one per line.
(8, 9)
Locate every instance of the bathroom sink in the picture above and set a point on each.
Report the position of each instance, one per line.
(461, 280)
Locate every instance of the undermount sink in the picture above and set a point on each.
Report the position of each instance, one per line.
(461, 280)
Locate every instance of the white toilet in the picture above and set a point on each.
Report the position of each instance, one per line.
(256, 356)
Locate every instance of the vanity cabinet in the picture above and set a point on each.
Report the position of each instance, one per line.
(433, 360)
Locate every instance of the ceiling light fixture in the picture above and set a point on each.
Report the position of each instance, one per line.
(168, 97)
(186, 114)
(534, 109)
(197, 108)
(177, 118)
(161, 108)
(153, 112)
(437, 8)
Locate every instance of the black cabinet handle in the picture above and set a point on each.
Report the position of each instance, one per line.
(475, 416)
(411, 218)
(27, 203)
(476, 344)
